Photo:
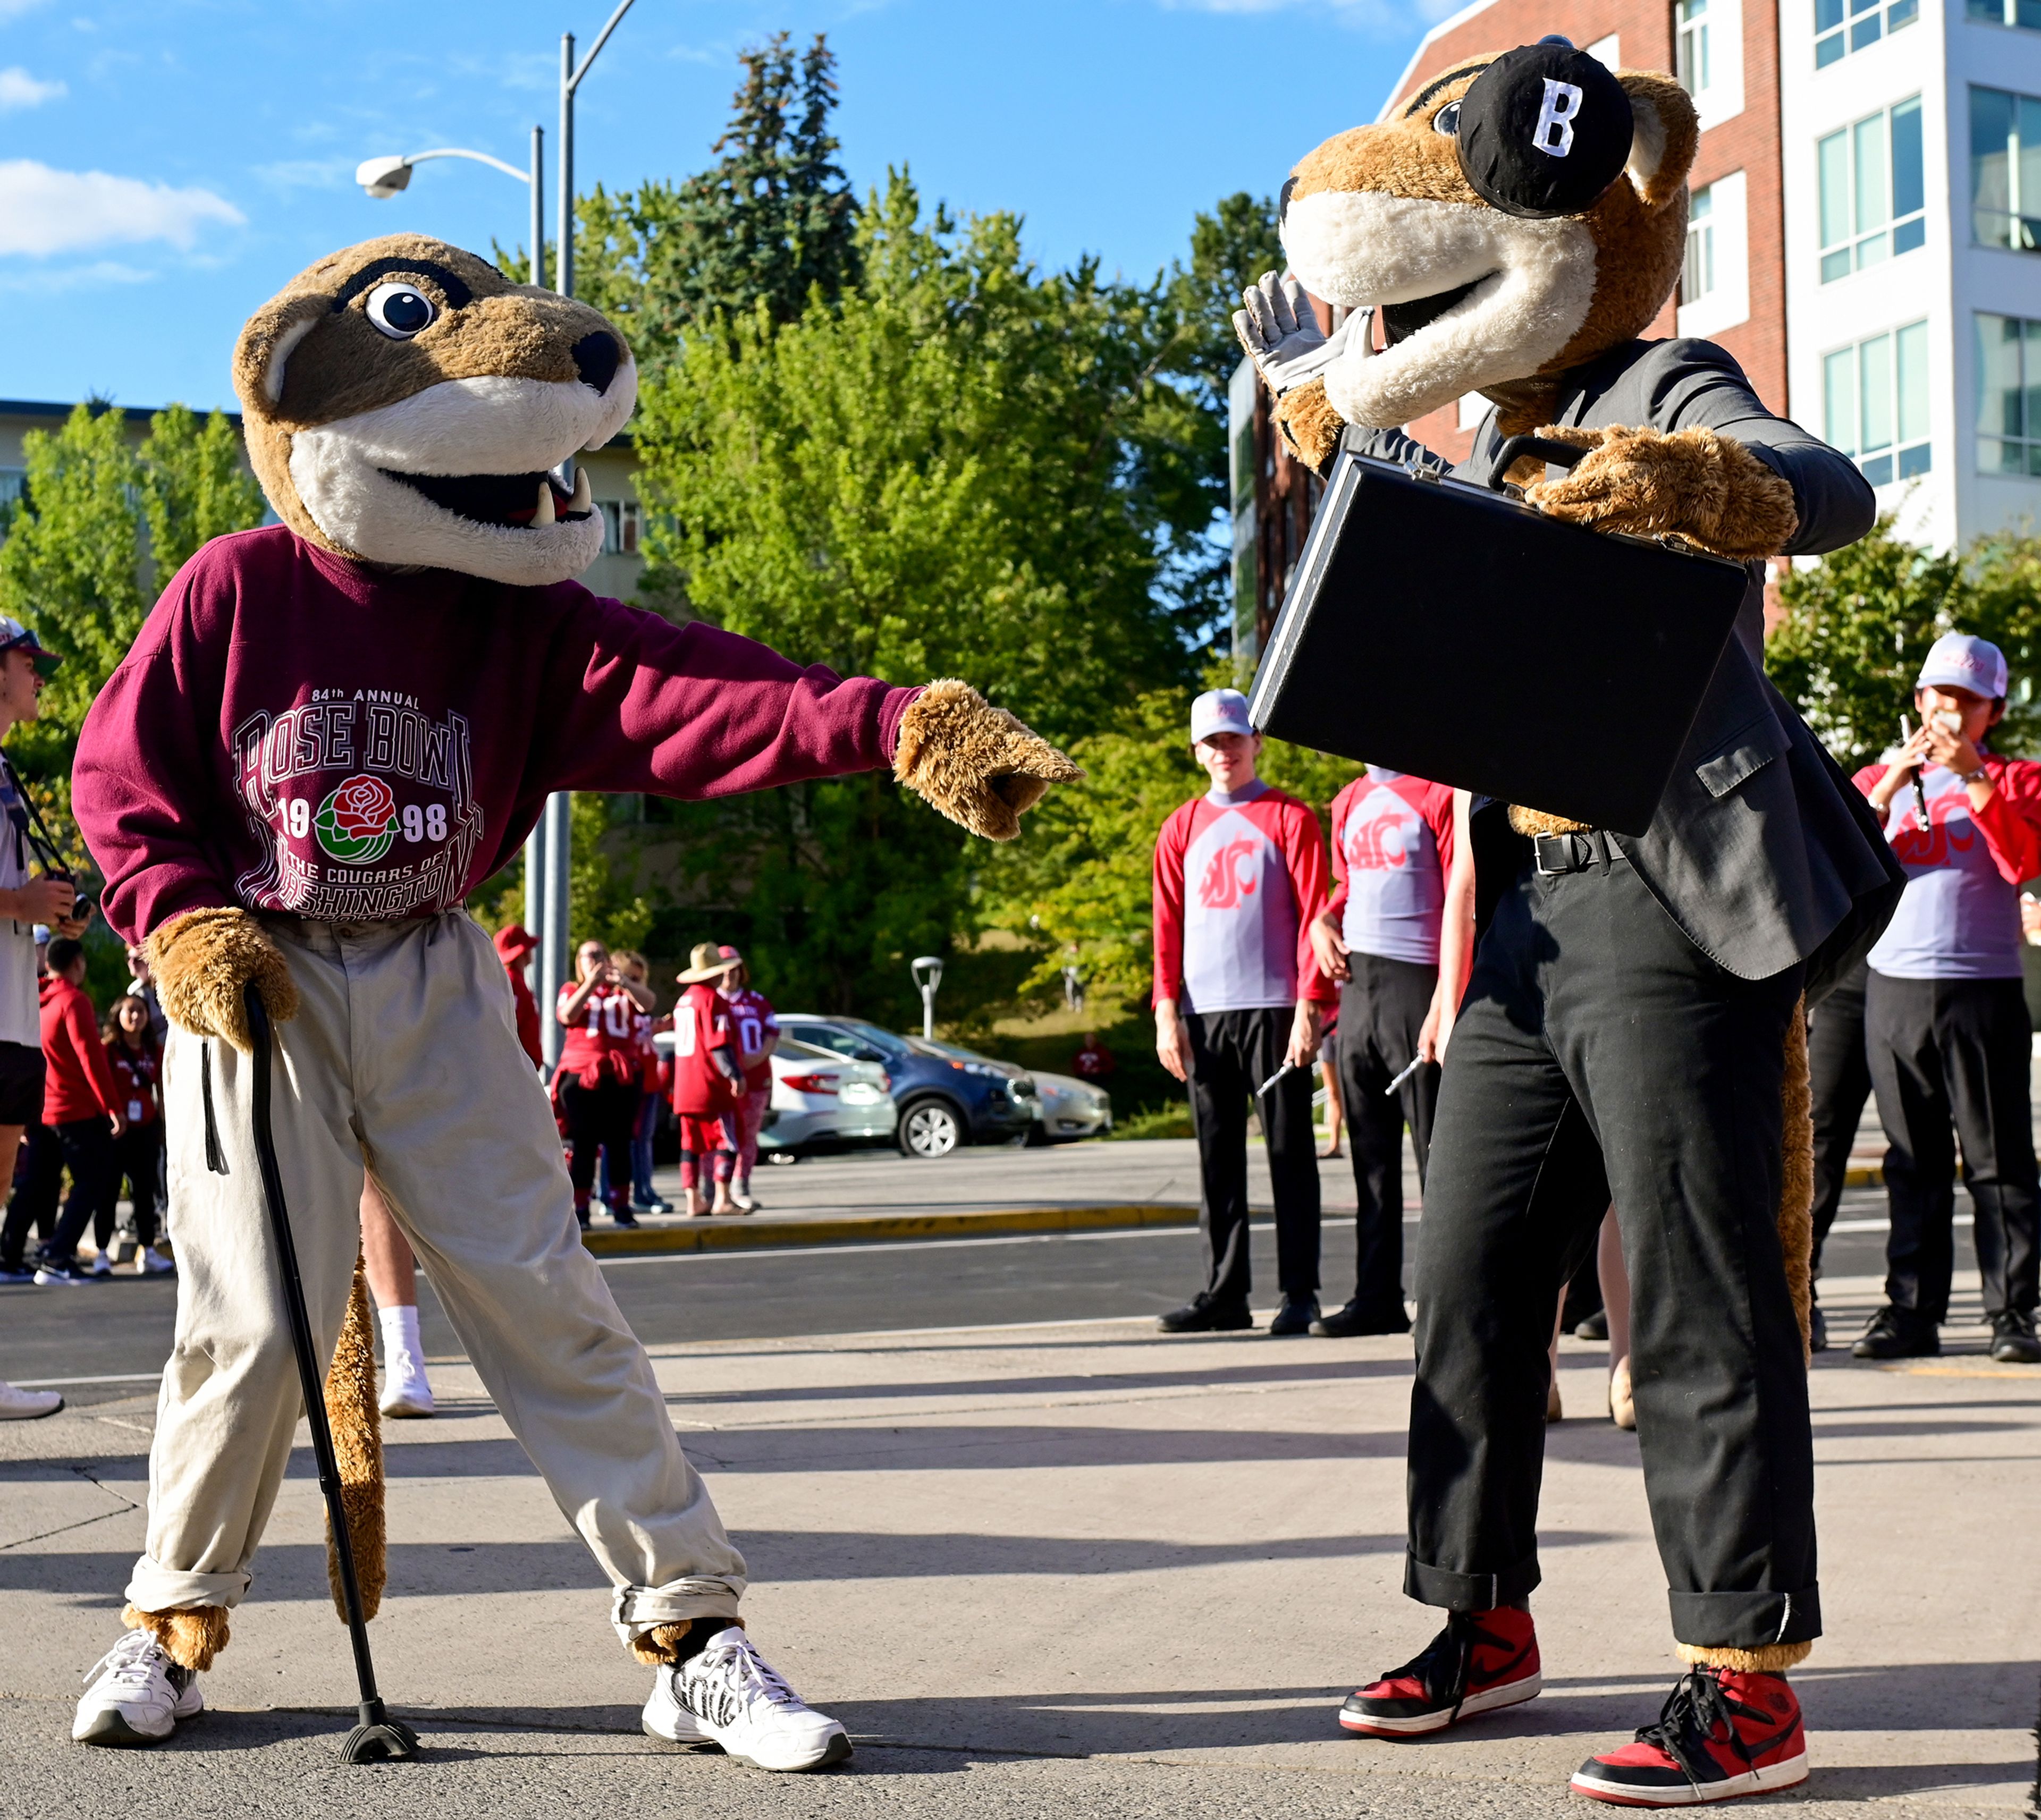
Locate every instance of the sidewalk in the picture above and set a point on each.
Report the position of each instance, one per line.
(1060, 1571)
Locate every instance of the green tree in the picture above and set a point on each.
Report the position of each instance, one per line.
(195, 485)
(600, 902)
(1858, 623)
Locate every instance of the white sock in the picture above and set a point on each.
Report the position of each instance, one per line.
(400, 1337)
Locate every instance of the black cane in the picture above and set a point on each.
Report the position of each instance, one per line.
(379, 1738)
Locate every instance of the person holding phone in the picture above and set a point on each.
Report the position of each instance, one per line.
(596, 1083)
(1945, 1012)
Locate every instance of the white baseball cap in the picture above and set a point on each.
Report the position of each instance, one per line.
(1957, 661)
(1219, 711)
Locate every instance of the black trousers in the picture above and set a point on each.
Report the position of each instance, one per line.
(1599, 1055)
(85, 1146)
(1232, 1053)
(600, 1117)
(1839, 1069)
(1944, 1054)
(137, 1159)
(1382, 1009)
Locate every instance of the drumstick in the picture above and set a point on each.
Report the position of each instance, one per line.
(1287, 1067)
(1417, 1062)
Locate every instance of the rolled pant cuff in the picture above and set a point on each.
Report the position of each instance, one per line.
(1745, 1620)
(1430, 1585)
(635, 1610)
(153, 1587)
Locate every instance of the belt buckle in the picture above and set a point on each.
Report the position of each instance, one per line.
(1575, 860)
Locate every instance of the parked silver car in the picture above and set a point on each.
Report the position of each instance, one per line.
(819, 1098)
(1067, 1109)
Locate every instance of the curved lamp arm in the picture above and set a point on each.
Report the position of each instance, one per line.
(384, 176)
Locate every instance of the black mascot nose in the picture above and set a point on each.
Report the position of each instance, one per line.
(596, 358)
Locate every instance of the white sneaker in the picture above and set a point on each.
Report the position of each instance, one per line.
(153, 1263)
(747, 1202)
(19, 1405)
(135, 1694)
(102, 1263)
(404, 1391)
(729, 1695)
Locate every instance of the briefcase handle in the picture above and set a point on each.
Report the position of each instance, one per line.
(1559, 454)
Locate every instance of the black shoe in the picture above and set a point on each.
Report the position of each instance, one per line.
(1594, 1327)
(1899, 1334)
(1358, 1318)
(1294, 1317)
(623, 1216)
(2012, 1338)
(1204, 1316)
(1817, 1329)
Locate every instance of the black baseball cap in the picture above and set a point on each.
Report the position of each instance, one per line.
(15, 637)
(1544, 130)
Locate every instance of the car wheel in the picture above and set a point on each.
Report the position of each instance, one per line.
(929, 1128)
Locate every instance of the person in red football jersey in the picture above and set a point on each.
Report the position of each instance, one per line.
(596, 1084)
(757, 1037)
(515, 945)
(708, 1080)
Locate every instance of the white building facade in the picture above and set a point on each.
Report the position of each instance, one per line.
(1910, 136)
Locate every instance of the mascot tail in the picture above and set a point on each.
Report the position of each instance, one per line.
(1796, 1174)
(357, 1446)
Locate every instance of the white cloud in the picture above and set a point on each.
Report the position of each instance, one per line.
(44, 211)
(19, 89)
(288, 174)
(49, 279)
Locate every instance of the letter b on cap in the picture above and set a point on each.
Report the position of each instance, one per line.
(1554, 135)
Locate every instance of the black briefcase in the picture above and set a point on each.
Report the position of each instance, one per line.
(1448, 629)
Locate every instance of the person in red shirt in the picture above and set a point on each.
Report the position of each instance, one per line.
(644, 1197)
(1240, 874)
(83, 1114)
(758, 1035)
(136, 1058)
(708, 1080)
(515, 945)
(1093, 1060)
(597, 1082)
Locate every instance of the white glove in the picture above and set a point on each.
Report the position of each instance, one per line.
(1281, 334)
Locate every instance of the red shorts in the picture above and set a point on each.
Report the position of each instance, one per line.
(701, 1132)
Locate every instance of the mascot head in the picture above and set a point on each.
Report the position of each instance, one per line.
(406, 403)
(1521, 213)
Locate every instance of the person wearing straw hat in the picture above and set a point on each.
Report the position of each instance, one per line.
(709, 1079)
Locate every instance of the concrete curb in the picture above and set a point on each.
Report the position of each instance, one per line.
(1865, 1175)
(728, 1234)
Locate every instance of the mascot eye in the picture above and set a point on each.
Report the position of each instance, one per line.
(400, 310)
(1446, 120)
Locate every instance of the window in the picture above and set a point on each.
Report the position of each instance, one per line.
(1697, 277)
(1707, 56)
(2005, 170)
(1873, 193)
(1690, 57)
(1608, 50)
(2008, 368)
(1473, 407)
(1714, 282)
(2026, 13)
(1874, 403)
(620, 527)
(1841, 26)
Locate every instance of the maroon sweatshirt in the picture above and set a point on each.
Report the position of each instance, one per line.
(294, 731)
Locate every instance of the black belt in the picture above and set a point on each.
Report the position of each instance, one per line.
(1557, 854)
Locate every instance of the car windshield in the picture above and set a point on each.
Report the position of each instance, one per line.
(952, 1052)
(853, 1037)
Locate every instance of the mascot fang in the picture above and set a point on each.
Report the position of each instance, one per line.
(1633, 1030)
(329, 731)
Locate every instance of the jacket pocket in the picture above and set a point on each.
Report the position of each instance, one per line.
(1745, 753)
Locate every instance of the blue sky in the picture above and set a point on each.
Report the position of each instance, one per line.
(166, 165)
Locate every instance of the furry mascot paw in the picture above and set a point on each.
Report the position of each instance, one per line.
(201, 960)
(1708, 488)
(1312, 424)
(190, 1638)
(975, 763)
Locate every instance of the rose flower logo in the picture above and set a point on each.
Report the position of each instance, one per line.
(358, 822)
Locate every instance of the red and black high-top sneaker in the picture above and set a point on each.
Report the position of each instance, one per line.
(1720, 1734)
(1480, 1661)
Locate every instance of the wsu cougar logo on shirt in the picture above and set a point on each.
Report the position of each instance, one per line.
(1233, 873)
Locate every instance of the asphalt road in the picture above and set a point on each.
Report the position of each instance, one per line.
(120, 1329)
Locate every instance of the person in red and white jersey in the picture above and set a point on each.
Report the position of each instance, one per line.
(708, 1080)
(596, 1081)
(758, 1035)
(1392, 851)
(644, 1197)
(1240, 873)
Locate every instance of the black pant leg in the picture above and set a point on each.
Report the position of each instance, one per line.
(1292, 1148)
(88, 1153)
(34, 1201)
(1516, 1180)
(1839, 1077)
(619, 1120)
(1986, 1043)
(1220, 1091)
(142, 1149)
(1921, 1150)
(1387, 999)
(583, 1108)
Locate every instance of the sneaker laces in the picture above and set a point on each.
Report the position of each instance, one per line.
(1688, 1720)
(131, 1664)
(744, 1674)
(1441, 1667)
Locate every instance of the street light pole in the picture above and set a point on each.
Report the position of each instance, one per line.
(549, 853)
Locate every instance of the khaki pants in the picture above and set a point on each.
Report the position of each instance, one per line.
(404, 1056)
